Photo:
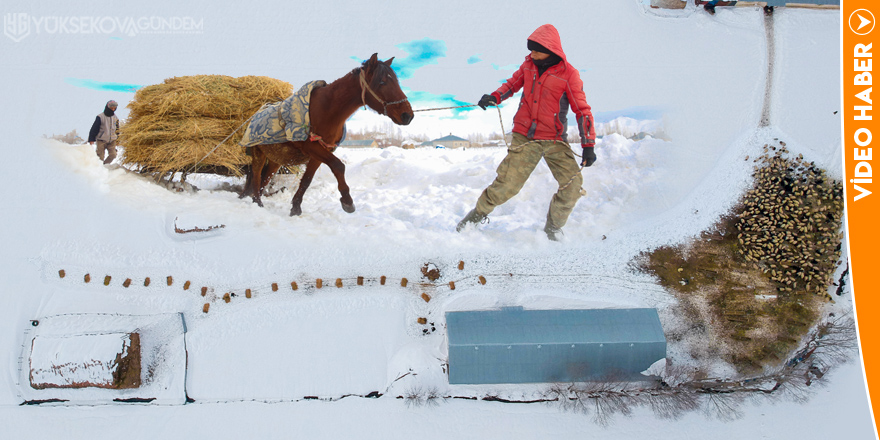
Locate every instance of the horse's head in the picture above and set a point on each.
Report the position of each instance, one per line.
(381, 91)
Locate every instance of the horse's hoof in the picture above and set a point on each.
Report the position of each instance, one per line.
(295, 211)
(347, 204)
(258, 202)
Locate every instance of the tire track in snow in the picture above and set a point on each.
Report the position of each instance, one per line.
(771, 61)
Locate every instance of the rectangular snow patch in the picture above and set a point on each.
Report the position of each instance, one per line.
(326, 346)
(88, 359)
(111, 360)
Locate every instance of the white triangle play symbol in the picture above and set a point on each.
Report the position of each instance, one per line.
(864, 22)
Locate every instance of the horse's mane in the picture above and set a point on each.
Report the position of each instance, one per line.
(357, 70)
(379, 64)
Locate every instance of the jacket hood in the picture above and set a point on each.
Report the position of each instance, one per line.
(548, 36)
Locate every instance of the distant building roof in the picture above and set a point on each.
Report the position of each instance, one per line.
(450, 138)
(357, 143)
(513, 345)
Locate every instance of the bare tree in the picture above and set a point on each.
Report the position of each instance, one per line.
(416, 396)
(724, 406)
(679, 389)
(671, 403)
(476, 138)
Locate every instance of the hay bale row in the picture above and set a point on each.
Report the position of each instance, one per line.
(174, 125)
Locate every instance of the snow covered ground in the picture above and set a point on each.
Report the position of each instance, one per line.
(254, 363)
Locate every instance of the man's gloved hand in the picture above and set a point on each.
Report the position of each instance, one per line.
(486, 101)
(588, 157)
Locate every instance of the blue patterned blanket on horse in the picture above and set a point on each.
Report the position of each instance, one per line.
(283, 121)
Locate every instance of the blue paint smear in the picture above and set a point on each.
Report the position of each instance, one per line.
(420, 53)
(642, 113)
(420, 100)
(474, 59)
(507, 67)
(105, 86)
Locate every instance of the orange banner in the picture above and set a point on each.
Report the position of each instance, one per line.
(859, 34)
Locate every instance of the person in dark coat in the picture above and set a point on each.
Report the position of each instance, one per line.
(105, 131)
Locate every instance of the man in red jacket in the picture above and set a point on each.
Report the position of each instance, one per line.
(550, 86)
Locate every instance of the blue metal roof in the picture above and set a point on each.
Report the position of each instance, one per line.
(364, 142)
(514, 345)
(450, 138)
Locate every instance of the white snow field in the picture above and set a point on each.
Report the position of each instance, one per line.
(298, 363)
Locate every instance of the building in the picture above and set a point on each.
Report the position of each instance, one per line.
(366, 143)
(496, 143)
(513, 345)
(451, 142)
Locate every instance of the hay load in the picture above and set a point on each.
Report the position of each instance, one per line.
(174, 125)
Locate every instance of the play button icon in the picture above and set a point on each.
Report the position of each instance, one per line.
(861, 22)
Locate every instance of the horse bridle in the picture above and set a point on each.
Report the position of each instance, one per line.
(365, 87)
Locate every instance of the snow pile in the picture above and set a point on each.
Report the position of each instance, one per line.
(630, 128)
(408, 196)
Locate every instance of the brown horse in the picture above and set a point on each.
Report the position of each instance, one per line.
(374, 84)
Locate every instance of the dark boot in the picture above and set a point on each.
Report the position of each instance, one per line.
(553, 233)
(471, 217)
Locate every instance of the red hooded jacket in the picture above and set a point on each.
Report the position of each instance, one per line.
(543, 108)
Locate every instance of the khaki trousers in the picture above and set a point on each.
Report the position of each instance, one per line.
(110, 147)
(522, 158)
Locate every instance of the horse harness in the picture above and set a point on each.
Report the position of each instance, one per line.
(315, 138)
(365, 87)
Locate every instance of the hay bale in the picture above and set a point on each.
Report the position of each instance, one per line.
(174, 125)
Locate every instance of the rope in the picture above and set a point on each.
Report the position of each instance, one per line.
(443, 108)
(227, 138)
(501, 121)
(583, 191)
(365, 88)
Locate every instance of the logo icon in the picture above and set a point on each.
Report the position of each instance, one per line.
(16, 26)
(861, 22)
